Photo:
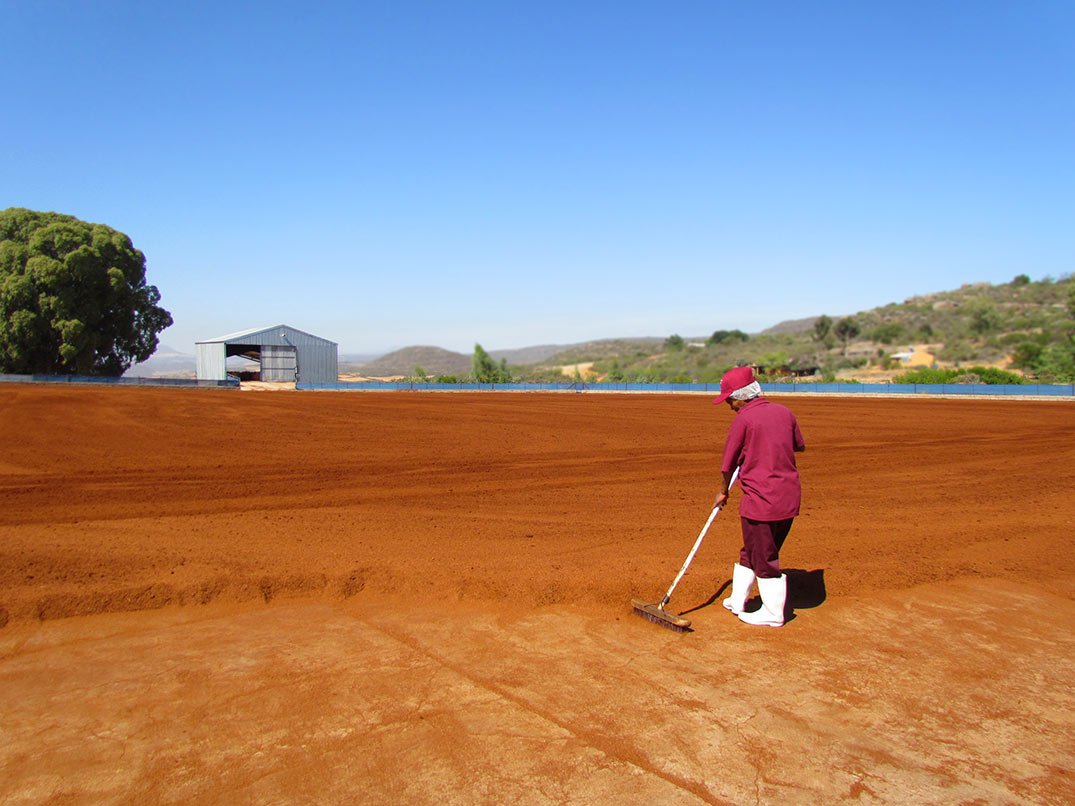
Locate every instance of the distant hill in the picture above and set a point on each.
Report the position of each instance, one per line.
(791, 326)
(606, 348)
(434, 360)
(529, 355)
(166, 362)
(358, 358)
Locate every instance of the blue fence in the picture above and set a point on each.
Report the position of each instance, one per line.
(1006, 390)
(190, 382)
(401, 386)
(1003, 389)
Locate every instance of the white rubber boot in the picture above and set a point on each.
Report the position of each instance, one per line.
(742, 584)
(774, 593)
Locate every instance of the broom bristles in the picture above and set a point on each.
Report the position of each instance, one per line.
(656, 614)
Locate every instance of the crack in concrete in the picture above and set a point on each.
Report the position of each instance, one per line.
(590, 738)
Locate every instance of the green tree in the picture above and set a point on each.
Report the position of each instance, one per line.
(674, 342)
(482, 366)
(728, 336)
(1057, 363)
(984, 318)
(845, 330)
(777, 359)
(887, 333)
(73, 297)
(1021, 279)
(1026, 355)
(486, 370)
(822, 328)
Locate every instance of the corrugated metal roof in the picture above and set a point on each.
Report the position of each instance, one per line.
(246, 335)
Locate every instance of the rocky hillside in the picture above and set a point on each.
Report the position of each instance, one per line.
(432, 360)
(1023, 325)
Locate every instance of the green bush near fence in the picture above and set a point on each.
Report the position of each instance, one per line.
(986, 375)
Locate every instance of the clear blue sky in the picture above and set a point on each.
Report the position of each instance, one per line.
(516, 173)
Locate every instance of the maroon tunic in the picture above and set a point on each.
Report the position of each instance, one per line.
(762, 441)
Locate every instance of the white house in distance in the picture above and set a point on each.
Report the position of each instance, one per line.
(282, 352)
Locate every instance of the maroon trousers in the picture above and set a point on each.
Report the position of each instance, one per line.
(762, 541)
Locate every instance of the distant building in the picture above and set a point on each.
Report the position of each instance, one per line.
(282, 353)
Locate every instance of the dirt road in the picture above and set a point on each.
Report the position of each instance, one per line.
(342, 597)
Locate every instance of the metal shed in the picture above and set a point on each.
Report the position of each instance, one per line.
(282, 352)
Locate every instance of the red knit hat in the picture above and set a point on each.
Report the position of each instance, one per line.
(733, 380)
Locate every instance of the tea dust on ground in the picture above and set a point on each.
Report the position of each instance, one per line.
(341, 597)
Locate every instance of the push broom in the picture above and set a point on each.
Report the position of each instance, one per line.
(654, 611)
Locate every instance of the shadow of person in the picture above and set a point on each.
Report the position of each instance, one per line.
(711, 599)
(806, 590)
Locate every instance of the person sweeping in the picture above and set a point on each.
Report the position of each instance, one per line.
(762, 442)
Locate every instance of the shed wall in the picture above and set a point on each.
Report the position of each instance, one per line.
(317, 363)
(211, 361)
(278, 363)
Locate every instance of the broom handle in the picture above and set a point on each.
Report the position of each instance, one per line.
(697, 543)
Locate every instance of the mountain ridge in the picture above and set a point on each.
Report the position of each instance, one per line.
(1023, 322)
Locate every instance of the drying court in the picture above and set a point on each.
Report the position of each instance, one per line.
(341, 597)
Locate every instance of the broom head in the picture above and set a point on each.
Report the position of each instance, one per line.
(658, 615)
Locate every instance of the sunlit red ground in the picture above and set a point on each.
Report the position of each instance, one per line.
(384, 597)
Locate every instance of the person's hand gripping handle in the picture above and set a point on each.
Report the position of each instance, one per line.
(726, 485)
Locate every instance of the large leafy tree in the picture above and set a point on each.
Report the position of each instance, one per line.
(73, 297)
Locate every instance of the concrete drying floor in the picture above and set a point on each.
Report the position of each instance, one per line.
(339, 597)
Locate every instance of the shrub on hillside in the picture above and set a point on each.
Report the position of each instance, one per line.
(1057, 364)
(988, 375)
(886, 333)
(958, 350)
(992, 375)
(728, 337)
(1027, 355)
(711, 374)
(925, 375)
(674, 342)
(983, 318)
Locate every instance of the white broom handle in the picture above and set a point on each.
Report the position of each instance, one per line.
(697, 543)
